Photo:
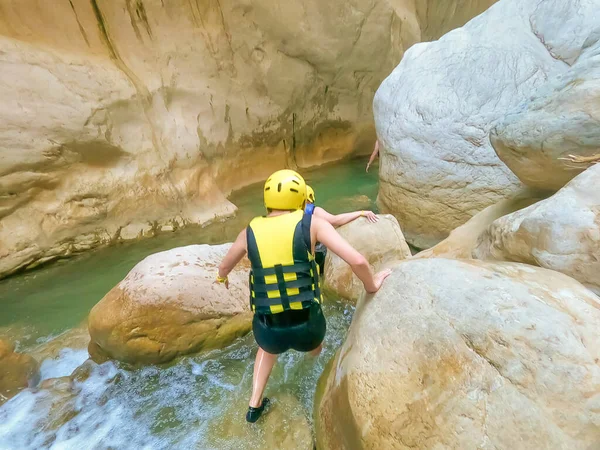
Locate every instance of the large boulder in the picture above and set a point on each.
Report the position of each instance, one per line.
(169, 305)
(17, 371)
(141, 116)
(434, 112)
(463, 240)
(554, 134)
(560, 233)
(382, 243)
(466, 354)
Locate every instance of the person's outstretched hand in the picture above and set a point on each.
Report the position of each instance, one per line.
(380, 276)
(371, 216)
(225, 283)
(368, 165)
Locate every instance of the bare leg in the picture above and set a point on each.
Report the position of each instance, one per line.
(262, 370)
(316, 351)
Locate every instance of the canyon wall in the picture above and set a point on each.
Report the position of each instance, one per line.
(124, 117)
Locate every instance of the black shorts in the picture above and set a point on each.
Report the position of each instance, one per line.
(302, 330)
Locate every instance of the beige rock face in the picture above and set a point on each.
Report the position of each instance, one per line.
(553, 136)
(463, 240)
(560, 233)
(382, 243)
(464, 355)
(121, 118)
(17, 371)
(169, 305)
(433, 114)
(439, 17)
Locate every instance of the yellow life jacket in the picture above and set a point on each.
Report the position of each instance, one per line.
(284, 274)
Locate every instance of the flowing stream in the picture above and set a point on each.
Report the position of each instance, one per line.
(197, 401)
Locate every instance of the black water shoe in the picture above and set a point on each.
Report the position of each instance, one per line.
(254, 414)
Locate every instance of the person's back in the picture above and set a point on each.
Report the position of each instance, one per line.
(284, 281)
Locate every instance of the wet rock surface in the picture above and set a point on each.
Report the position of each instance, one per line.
(561, 233)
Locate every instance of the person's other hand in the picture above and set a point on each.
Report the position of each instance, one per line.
(371, 216)
(368, 165)
(379, 277)
(225, 283)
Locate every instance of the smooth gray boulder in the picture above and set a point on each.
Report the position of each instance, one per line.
(555, 135)
(433, 114)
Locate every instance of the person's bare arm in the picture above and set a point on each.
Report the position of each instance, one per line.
(233, 256)
(373, 155)
(338, 220)
(326, 234)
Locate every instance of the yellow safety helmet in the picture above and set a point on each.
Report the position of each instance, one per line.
(285, 190)
(310, 194)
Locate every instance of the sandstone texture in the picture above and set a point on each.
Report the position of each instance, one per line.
(553, 135)
(561, 233)
(465, 355)
(382, 243)
(433, 114)
(462, 241)
(122, 118)
(17, 371)
(169, 305)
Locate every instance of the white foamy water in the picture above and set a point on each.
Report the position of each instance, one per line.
(180, 406)
(63, 366)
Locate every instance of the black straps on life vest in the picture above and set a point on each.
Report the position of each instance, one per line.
(274, 297)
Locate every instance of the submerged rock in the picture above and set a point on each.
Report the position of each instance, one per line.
(433, 114)
(169, 305)
(466, 354)
(59, 397)
(382, 243)
(17, 371)
(561, 233)
(60, 411)
(283, 426)
(76, 338)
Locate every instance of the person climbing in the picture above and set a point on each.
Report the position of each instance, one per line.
(373, 155)
(285, 293)
(336, 220)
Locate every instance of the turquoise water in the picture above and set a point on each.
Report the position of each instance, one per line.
(59, 296)
(196, 402)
